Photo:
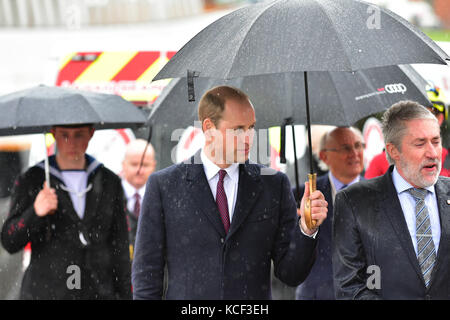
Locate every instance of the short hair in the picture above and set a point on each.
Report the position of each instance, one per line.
(212, 103)
(74, 126)
(394, 121)
(326, 136)
(139, 146)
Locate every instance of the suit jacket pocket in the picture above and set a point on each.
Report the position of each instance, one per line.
(263, 214)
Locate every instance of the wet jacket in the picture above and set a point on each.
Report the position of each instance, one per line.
(180, 227)
(62, 266)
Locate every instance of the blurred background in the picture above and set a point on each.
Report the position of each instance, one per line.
(88, 44)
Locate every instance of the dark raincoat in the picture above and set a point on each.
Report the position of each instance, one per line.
(56, 249)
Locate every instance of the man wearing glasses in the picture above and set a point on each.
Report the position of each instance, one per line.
(341, 149)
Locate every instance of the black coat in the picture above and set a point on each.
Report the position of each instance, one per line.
(319, 284)
(180, 226)
(369, 229)
(104, 262)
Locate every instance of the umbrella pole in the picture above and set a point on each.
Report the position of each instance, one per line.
(312, 177)
(145, 150)
(308, 124)
(297, 184)
(47, 167)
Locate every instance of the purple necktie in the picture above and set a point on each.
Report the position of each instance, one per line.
(222, 202)
(137, 205)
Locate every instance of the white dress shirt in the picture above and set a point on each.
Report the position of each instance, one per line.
(230, 182)
(337, 185)
(129, 192)
(409, 208)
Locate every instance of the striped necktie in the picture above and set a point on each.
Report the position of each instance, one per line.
(426, 253)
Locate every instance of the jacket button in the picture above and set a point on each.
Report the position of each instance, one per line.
(427, 297)
(222, 240)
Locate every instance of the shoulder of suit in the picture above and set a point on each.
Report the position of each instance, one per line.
(107, 173)
(445, 180)
(33, 175)
(366, 186)
(256, 169)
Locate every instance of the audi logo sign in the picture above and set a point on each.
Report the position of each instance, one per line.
(395, 88)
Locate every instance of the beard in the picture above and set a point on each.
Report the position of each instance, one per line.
(413, 174)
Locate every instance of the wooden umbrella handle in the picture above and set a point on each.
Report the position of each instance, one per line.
(310, 222)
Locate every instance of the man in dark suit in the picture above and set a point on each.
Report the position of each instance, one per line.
(218, 220)
(134, 176)
(391, 232)
(342, 150)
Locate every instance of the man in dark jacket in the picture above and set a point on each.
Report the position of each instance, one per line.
(134, 176)
(76, 226)
(217, 221)
(390, 233)
(342, 150)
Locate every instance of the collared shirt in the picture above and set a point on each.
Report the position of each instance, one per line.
(409, 208)
(129, 192)
(230, 182)
(337, 185)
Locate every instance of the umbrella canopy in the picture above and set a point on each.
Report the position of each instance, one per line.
(37, 109)
(342, 98)
(302, 35)
(288, 36)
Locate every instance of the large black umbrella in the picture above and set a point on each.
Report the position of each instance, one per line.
(37, 109)
(342, 99)
(300, 36)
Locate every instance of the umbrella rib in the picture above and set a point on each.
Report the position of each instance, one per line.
(338, 35)
(251, 27)
(93, 109)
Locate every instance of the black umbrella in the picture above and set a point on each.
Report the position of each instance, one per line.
(300, 36)
(37, 109)
(343, 98)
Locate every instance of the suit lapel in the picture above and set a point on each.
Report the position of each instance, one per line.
(249, 190)
(201, 193)
(389, 205)
(442, 195)
(327, 194)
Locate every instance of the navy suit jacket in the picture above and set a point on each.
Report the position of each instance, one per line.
(319, 284)
(180, 227)
(370, 230)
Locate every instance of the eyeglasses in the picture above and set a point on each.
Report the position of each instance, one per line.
(346, 149)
